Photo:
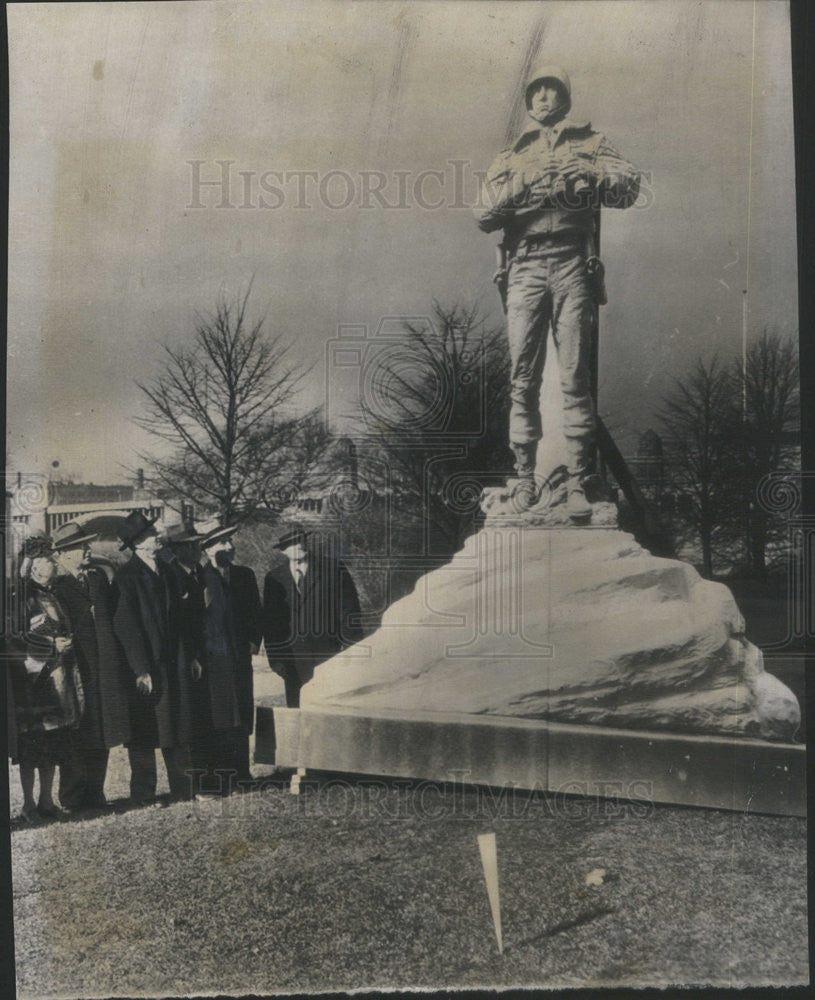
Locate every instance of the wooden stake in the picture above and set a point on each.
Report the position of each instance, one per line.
(489, 861)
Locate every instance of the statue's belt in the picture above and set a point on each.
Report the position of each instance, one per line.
(527, 246)
(543, 245)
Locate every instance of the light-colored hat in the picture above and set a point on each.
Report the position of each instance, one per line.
(70, 536)
(218, 535)
(175, 534)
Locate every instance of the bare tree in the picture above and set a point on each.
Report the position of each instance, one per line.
(698, 417)
(769, 387)
(222, 406)
(438, 412)
(300, 451)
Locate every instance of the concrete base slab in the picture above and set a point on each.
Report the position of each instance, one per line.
(277, 734)
(711, 771)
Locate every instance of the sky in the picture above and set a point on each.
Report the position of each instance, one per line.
(116, 109)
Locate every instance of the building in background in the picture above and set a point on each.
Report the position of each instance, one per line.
(39, 503)
(332, 489)
(648, 465)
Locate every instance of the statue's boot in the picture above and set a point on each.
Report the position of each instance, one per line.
(577, 505)
(526, 491)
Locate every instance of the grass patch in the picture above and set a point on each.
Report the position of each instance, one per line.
(267, 892)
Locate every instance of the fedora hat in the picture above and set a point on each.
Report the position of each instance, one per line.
(70, 536)
(218, 535)
(175, 534)
(134, 527)
(294, 536)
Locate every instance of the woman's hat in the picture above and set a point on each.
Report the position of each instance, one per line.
(134, 527)
(70, 536)
(36, 547)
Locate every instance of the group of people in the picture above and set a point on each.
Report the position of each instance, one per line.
(158, 657)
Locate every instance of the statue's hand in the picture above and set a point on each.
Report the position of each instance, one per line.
(505, 191)
(574, 168)
(540, 179)
(544, 169)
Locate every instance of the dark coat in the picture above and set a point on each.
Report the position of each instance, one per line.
(11, 712)
(190, 592)
(102, 665)
(303, 630)
(51, 694)
(232, 622)
(147, 624)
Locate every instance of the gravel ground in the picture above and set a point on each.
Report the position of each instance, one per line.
(370, 885)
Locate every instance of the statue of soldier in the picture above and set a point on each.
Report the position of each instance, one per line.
(545, 192)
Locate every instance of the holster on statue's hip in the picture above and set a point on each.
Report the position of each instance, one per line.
(596, 271)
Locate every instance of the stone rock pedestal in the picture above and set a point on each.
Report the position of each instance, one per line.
(551, 656)
(567, 624)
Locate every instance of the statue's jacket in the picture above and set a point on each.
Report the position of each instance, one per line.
(505, 200)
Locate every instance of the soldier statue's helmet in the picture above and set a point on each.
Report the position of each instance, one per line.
(548, 71)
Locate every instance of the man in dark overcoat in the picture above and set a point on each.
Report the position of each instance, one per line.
(310, 611)
(146, 623)
(232, 634)
(182, 553)
(86, 594)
